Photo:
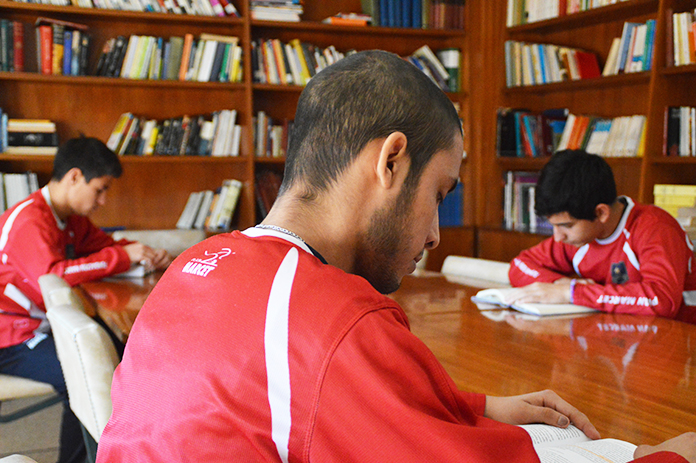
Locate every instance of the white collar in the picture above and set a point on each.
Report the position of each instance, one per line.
(622, 223)
(47, 196)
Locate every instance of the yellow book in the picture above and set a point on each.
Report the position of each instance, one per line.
(304, 70)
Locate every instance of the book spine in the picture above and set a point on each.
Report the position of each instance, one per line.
(46, 37)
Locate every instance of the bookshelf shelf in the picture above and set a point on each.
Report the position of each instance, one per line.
(669, 160)
(270, 161)
(278, 88)
(605, 14)
(117, 82)
(679, 70)
(620, 80)
(315, 26)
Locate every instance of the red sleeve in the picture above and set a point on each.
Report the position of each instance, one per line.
(546, 262)
(386, 398)
(44, 256)
(664, 262)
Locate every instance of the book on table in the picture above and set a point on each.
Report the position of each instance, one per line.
(494, 298)
(570, 445)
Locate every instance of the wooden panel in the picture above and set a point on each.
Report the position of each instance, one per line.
(503, 245)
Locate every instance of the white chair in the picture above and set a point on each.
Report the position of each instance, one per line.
(87, 356)
(175, 241)
(481, 270)
(14, 387)
(17, 459)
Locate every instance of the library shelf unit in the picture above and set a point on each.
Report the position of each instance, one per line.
(648, 93)
(154, 189)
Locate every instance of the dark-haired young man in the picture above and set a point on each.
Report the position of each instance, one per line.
(607, 252)
(49, 232)
(275, 343)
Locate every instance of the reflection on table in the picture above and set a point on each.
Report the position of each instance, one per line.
(635, 377)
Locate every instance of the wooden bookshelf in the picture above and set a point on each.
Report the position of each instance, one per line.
(153, 190)
(647, 93)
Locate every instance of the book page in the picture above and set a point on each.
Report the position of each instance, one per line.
(544, 435)
(598, 451)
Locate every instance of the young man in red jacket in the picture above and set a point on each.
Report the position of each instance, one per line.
(49, 232)
(607, 252)
(277, 343)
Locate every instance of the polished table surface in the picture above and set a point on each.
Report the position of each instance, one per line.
(635, 377)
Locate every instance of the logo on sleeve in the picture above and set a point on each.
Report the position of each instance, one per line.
(619, 273)
(202, 267)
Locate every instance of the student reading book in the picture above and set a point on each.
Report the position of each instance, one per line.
(571, 445)
(505, 297)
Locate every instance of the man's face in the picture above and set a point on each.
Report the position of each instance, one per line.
(396, 239)
(576, 232)
(87, 197)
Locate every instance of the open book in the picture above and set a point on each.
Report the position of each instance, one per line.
(493, 298)
(570, 445)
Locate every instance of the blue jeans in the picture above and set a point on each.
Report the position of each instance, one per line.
(41, 364)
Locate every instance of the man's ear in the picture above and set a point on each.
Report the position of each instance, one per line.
(393, 162)
(73, 175)
(603, 212)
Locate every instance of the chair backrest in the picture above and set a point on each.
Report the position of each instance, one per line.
(17, 459)
(87, 356)
(478, 269)
(14, 387)
(175, 241)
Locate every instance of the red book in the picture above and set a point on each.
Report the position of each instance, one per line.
(587, 64)
(18, 40)
(46, 40)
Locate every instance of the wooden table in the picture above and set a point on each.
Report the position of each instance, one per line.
(635, 377)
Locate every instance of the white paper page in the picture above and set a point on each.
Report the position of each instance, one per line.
(598, 451)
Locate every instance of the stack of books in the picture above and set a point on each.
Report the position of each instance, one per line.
(270, 136)
(14, 187)
(537, 63)
(680, 131)
(211, 210)
(684, 43)
(27, 136)
(193, 7)
(673, 198)
(276, 10)
(216, 134)
(208, 58)
(418, 14)
(529, 11)
(518, 204)
(296, 62)
(633, 51)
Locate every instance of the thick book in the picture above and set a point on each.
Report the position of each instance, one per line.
(494, 298)
(570, 445)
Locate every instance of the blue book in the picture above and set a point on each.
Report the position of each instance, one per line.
(417, 21)
(395, 10)
(383, 13)
(649, 45)
(67, 52)
(625, 44)
(406, 14)
(451, 209)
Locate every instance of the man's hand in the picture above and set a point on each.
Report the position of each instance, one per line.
(538, 407)
(684, 445)
(151, 258)
(549, 293)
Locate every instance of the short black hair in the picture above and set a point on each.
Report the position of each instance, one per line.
(88, 154)
(575, 182)
(366, 96)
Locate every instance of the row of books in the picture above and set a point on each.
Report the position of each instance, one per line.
(211, 210)
(14, 187)
(683, 37)
(633, 51)
(62, 47)
(27, 136)
(537, 63)
(266, 186)
(276, 10)
(523, 133)
(270, 135)
(425, 14)
(680, 131)
(296, 62)
(208, 58)
(216, 134)
(518, 203)
(529, 11)
(672, 198)
(192, 7)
